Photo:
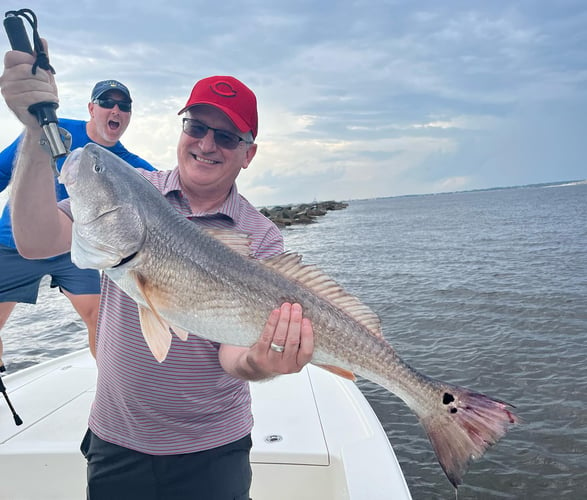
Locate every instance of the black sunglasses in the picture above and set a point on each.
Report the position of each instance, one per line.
(223, 138)
(124, 106)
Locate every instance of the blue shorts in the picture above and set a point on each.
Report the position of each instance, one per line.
(20, 278)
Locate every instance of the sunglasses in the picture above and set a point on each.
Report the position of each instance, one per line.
(222, 138)
(124, 106)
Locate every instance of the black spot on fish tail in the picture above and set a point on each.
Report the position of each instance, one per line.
(463, 427)
(447, 398)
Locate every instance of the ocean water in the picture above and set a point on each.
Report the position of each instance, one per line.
(484, 289)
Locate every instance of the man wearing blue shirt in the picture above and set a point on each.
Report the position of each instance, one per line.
(110, 112)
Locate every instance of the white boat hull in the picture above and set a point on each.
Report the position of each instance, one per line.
(315, 437)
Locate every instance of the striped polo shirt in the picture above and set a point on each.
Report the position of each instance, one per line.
(187, 403)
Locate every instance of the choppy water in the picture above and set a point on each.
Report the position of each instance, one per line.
(484, 289)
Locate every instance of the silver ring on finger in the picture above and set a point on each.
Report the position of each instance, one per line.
(276, 347)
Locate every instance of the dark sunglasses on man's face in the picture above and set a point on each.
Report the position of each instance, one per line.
(124, 106)
(222, 138)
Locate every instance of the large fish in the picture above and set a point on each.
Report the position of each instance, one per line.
(204, 282)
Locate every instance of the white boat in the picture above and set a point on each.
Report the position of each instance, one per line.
(315, 437)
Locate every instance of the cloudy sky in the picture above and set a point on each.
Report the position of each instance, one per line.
(357, 99)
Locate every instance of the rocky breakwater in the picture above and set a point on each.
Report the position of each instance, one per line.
(305, 213)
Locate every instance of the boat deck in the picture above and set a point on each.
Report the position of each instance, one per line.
(314, 432)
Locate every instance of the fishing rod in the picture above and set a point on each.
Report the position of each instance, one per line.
(44, 111)
(17, 419)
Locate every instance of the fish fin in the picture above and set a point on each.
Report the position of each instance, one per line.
(155, 328)
(181, 333)
(156, 333)
(341, 372)
(290, 265)
(466, 426)
(238, 241)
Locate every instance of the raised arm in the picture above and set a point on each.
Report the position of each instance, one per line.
(40, 228)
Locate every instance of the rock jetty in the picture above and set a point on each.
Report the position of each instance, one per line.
(305, 213)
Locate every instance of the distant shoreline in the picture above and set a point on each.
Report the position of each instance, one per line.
(304, 213)
(480, 190)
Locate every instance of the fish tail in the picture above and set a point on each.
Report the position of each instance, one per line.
(462, 426)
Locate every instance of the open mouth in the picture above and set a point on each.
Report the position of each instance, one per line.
(112, 125)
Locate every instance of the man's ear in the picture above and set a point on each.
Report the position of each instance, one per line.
(251, 152)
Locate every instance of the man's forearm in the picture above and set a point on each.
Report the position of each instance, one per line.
(36, 220)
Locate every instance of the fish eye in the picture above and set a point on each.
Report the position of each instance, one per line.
(98, 168)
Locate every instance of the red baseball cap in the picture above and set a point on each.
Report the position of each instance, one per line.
(229, 95)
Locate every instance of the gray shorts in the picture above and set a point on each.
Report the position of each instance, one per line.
(20, 278)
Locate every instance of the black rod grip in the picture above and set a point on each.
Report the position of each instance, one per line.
(44, 111)
(17, 34)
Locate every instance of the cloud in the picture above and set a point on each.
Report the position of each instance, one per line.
(362, 100)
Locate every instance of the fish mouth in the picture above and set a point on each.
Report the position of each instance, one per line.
(125, 260)
(70, 168)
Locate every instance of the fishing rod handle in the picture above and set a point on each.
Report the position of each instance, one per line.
(17, 35)
(44, 111)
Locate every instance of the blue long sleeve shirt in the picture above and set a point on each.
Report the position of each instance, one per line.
(79, 138)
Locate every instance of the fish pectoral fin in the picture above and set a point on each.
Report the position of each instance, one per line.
(341, 372)
(156, 333)
(182, 334)
(157, 326)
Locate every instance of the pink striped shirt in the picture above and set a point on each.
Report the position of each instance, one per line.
(187, 403)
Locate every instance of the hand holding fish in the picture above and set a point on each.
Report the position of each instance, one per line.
(285, 327)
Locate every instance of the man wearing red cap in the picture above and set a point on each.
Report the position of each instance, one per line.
(179, 429)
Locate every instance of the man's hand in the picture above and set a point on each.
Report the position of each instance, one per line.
(287, 328)
(21, 89)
